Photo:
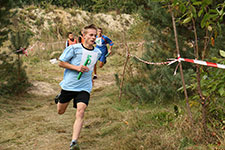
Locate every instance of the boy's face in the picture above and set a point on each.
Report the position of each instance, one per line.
(90, 36)
(99, 32)
(70, 36)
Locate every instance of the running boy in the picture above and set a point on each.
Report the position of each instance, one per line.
(72, 59)
(101, 43)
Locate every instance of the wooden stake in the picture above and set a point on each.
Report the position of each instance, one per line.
(181, 69)
(124, 68)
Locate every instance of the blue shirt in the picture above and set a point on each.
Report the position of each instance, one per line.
(76, 55)
(101, 43)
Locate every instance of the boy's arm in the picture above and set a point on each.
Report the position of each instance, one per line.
(67, 65)
(109, 41)
(66, 43)
(67, 55)
(110, 49)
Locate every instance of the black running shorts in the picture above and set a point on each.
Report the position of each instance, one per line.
(67, 96)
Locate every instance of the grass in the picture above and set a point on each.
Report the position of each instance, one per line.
(31, 122)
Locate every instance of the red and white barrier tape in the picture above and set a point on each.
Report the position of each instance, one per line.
(151, 63)
(25, 51)
(179, 59)
(200, 62)
(22, 50)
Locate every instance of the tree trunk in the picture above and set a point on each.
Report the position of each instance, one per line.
(181, 69)
(124, 69)
(198, 73)
(19, 68)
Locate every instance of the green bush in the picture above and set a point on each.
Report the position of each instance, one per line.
(213, 88)
(11, 81)
(13, 78)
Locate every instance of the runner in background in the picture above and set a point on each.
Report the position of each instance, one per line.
(101, 43)
(80, 37)
(71, 40)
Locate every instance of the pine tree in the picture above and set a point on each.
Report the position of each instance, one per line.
(157, 83)
(13, 78)
(19, 43)
(5, 6)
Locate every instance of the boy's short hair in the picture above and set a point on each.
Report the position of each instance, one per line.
(69, 33)
(100, 29)
(92, 26)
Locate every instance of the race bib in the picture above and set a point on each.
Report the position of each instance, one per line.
(92, 58)
(98, 41)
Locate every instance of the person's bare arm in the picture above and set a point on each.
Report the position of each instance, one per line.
(110, 49)
(67, 65)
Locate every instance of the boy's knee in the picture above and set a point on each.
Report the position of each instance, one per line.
(101, 65)
(61, 108)
(80, 113)
(60, 112)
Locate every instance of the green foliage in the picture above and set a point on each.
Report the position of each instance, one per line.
(19, 40)
(184, 142)
(213, 87)
(222, 53)
(155, 14)
(45, 3)
(85, 4)
(100, 5)
(10, 83)
(137, 30)
(162, 118)
(208, 11)
(157, 83)
(207, 16)
(63, 3)
(5, 6)
(13, 76)
(213, 81)
(126, 6)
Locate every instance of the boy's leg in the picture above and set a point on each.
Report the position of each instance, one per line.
(101, 64)
(95, 69)
(79, 120)
(62, 100)
(61, 107)
(95, 72)
(102, 60)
